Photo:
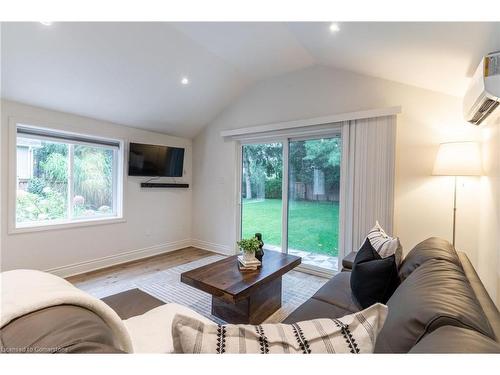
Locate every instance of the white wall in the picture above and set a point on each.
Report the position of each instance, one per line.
(157, 220)
(423, 203)
(489, 218)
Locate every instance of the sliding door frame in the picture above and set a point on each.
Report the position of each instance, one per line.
(284, 197)
(285, 137)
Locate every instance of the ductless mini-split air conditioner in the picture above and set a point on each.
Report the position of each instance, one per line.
(483, 95)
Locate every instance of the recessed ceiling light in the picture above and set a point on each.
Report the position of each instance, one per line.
(185, 80)
(334, 27)
(46, 23)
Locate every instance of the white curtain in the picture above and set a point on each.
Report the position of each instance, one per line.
(370, 168)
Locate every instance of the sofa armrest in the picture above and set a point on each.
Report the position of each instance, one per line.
(348, 261)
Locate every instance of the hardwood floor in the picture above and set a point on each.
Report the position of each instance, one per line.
(115, 279)
(108, 279)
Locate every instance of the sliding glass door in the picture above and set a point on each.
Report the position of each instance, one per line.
(290, 192)
(313, 200)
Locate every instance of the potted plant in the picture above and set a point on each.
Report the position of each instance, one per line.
(249, 246)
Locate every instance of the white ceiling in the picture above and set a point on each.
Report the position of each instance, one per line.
(130, 73)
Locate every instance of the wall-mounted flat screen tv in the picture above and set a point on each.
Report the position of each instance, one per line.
(155, 161)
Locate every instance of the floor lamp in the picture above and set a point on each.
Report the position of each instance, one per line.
(457, 159)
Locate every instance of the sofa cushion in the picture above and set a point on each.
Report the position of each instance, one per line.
(450, 339)
(355, 333)
(431, 248)
(373, 278)
(337, 291)
(436, 294)
(313, 309)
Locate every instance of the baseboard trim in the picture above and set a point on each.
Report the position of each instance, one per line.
(311, 270)
(214, 247)
(113, 260)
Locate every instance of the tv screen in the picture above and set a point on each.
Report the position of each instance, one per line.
(155, 161)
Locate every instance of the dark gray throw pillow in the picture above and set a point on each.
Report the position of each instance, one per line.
(373, 278)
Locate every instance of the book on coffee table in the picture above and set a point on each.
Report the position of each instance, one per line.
(247, 268)
(245, 265)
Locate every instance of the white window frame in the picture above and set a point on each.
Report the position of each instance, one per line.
(119, 182)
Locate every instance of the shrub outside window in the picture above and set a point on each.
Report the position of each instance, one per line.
(65, 178)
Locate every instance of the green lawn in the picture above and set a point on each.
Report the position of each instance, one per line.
(312, 226)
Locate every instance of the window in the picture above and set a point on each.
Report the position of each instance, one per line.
(65, 178)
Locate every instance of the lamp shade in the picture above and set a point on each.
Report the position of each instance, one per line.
(458, 159)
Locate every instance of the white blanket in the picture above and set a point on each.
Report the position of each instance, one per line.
(25, 291)
(151, 332)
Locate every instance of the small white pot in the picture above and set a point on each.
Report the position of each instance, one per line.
(248, 257)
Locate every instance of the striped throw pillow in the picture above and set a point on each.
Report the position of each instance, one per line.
(384, 244)
(355, 333)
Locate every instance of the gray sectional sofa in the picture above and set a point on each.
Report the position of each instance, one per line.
(441, 306)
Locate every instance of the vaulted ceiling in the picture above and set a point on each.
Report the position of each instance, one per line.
(130, 73)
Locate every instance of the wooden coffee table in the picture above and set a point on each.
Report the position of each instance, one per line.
(247, 297)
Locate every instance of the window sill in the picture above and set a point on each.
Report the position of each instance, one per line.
(66, 225)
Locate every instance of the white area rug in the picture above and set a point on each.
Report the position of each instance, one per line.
(166, 286)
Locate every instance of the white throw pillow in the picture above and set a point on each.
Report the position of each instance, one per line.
(384, 244)
(355, 333)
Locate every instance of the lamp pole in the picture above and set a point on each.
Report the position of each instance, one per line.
(457, 159)
(454, 210)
